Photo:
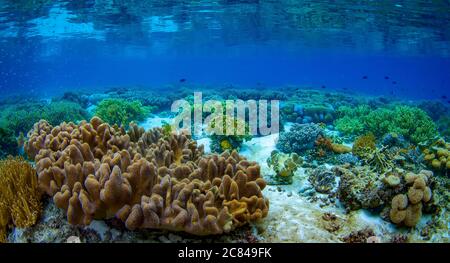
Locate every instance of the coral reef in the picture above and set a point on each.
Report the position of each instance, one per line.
(230, 137)
(437, 156)
(323, 179)
(121, 112)
(360, 236)
(350, 120)
(411, 122)
(20, 204)
(95, 171)
(325, 145)
(364, 144)
(406, 209)
(360, 187)
(284, 166)
(22, 116)
(300, 138)
(347, 158)
(8, 143)
(380, 159)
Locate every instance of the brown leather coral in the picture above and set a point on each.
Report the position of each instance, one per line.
(146, 179)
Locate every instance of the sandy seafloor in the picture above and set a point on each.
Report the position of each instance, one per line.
(297, 214)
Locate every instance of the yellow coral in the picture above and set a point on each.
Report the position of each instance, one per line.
(436, 164)
(364, 144)
(340, 148)
(225, 145)
(19, 195)
(437, 156)
(429, 157)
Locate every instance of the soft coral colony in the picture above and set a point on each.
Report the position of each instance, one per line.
(145, 179)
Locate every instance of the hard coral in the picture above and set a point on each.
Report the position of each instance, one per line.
(93, 170)
(19, 195)
(437, 156)
(325, 145)
(411, 122)
(121, 112)
(300, 138)
(364, 144)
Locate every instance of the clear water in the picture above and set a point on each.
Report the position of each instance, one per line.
(47, 46)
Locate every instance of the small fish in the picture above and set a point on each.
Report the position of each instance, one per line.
(365, 77)
(448, 101)
(386, 77)
(444, 97)
(345, 88)
(183, 80)
(394, 82)
(323, 87)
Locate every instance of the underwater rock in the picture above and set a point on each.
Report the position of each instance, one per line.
(95, 171)
(299, 138)
(394, 140)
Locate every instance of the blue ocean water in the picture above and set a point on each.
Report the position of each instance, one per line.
(396, 48)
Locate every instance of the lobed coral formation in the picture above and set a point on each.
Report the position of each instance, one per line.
(300, 138)
(145, 179)
(284, 166)
(406, 209)
(19, 195)
(21, 117)
(437, 156)
(361, 187)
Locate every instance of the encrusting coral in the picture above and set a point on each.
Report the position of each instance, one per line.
(19, 195)
(146, 179)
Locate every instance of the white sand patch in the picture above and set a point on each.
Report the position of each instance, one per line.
(154, 122)
(206, 142)
(293, 219)
(258, 149)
